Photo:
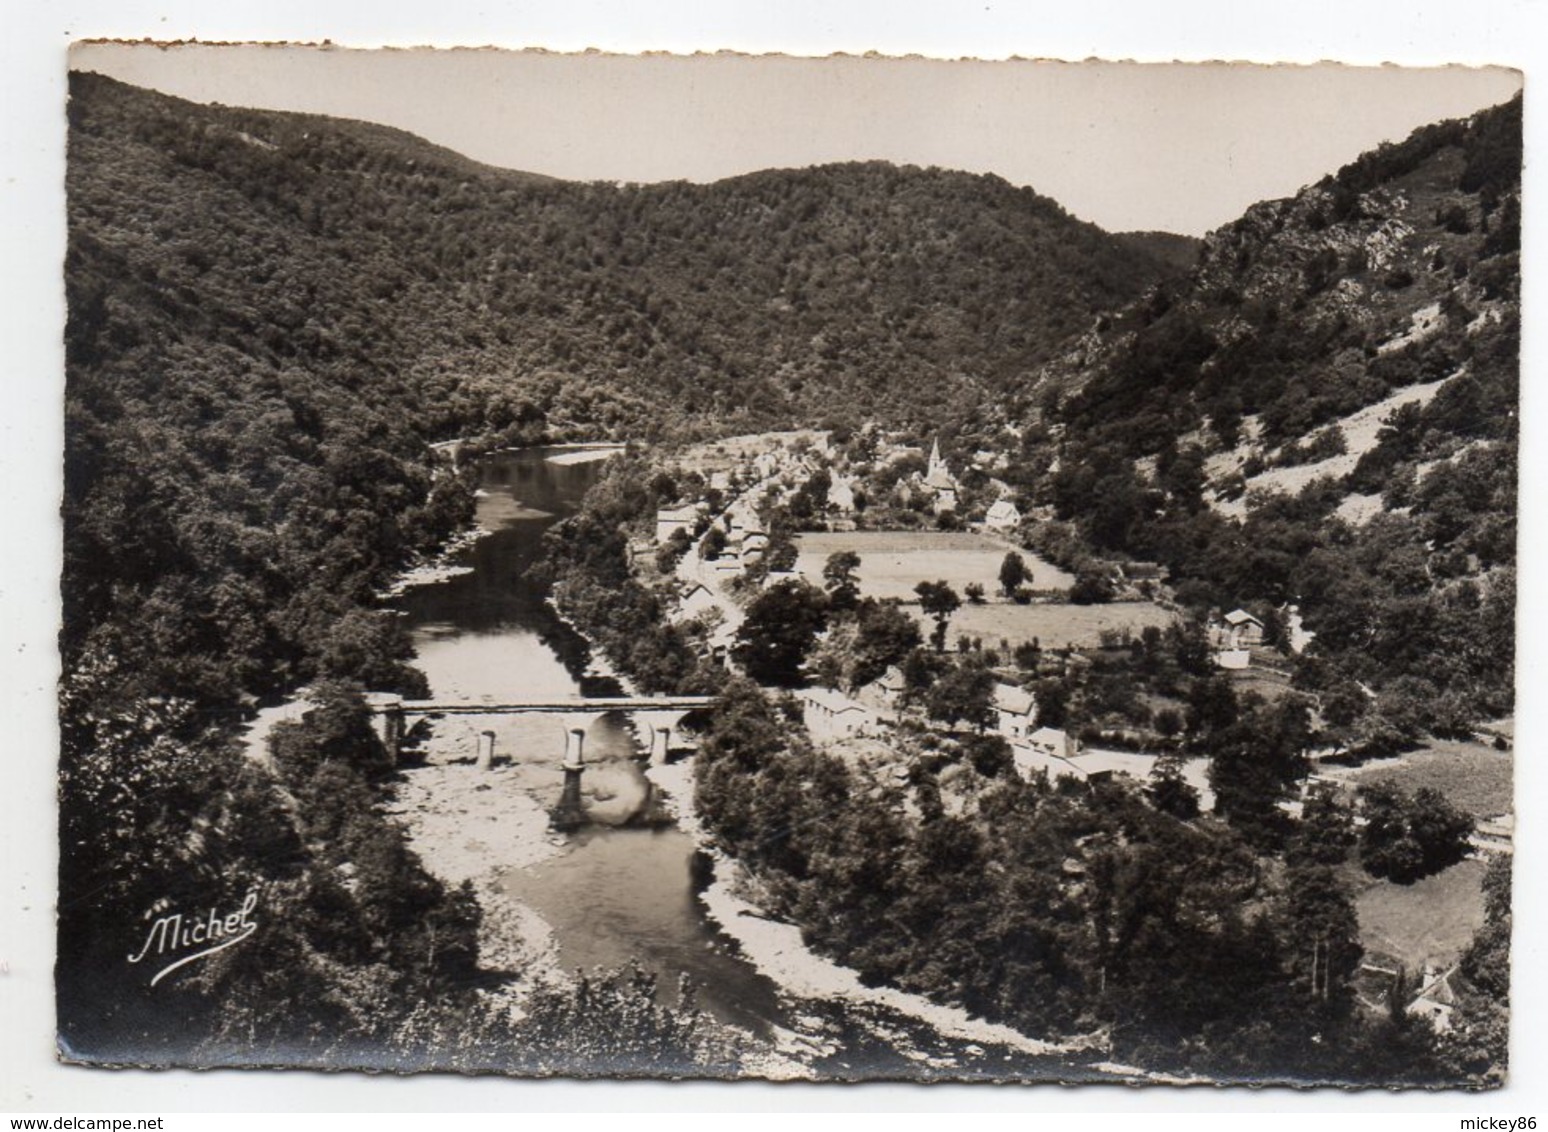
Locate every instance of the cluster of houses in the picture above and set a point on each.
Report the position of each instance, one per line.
(830, 715)
(936, 485)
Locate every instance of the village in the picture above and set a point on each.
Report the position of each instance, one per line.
(722, 549)
(799, 509)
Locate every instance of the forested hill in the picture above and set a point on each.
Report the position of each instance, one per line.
(474, 297)
(1311, 307)
(1182, 252)
(1323, 412)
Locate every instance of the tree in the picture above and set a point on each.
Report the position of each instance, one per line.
(1406, 838)
(713, 544)
(780, 555)
(781, 627)
(940, 601)
(990, 755)
(964, 693)
(336, 729)
(974, 592)
(1326, 832)
(1168, 723)
(1169, 791)
(1325, 953)
(1255, 763)
(884, 636)
(1441, 829)
(841, 580)
(1013, 573)
(1486, 962)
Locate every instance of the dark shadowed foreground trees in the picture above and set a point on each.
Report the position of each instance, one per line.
(1056, 909)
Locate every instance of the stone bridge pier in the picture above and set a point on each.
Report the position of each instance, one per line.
(576, 724)
(570, 813)
(387, 721)
(656, 729)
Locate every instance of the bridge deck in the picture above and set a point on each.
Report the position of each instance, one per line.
(557, 704)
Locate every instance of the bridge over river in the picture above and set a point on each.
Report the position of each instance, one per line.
(657, 715)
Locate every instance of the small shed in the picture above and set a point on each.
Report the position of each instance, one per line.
(1236, 630)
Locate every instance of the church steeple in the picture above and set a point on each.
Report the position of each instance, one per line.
(939, 475)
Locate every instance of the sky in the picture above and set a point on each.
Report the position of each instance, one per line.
(1172, 147)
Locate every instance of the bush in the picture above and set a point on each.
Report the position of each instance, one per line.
(1092, 587)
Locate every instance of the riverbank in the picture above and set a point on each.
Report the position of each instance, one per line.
(471, 825)
(583, 453)
(598, 665)
(776, 950)
(438, 568)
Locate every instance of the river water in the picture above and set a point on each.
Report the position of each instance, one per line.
(625, 889)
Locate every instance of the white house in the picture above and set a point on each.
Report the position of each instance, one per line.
(841, 495)
(697, 601)
(1015, 710)
(1053, 742)
(1435, 1002)
(754, 545)
(670, 519)
(1003, 516)
(891, 682)
(1236, 630)
(832, 715)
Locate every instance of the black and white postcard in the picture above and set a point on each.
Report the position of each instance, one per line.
(830, 569)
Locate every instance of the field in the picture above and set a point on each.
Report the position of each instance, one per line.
(1473, 776)
(892, 563)
(1271, 685)
(1053, 626)
(1431, 920)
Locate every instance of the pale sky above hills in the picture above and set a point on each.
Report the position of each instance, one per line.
(1179, 147)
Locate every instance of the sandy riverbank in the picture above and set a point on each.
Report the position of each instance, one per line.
(598, 666)
(472, 825)
(468, 824)
(437, 569)
(584, 454)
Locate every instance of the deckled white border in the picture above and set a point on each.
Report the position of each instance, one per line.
(1412, 32)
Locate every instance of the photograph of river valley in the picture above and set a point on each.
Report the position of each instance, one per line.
(613, 566)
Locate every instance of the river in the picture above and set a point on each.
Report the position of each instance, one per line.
(623, 888)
